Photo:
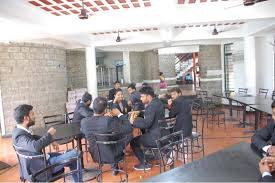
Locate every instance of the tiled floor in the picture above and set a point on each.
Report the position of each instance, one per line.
(216, 138)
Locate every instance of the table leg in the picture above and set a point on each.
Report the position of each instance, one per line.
(257, 115)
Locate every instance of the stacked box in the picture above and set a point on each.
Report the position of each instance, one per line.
(79, 93)
(70, 106)
(71, 96)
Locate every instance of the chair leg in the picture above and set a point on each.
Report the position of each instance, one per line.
(192, 150)
(218, 120)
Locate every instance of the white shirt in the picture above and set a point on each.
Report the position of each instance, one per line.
(23, 128)
(266, 174)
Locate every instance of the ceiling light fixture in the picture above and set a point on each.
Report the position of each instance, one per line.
(83, 13)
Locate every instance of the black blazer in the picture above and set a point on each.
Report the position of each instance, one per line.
(126, 107)
(30, 145)
(112, 94)
(181, 109)
(81, 111)
(153, 113)
(103, 124)
(264, 136)
(268, 179)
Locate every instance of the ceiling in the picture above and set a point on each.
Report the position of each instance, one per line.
(143, 24)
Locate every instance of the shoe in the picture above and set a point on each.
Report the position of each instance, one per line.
(114, 172)
(115, 168)
(142, 167)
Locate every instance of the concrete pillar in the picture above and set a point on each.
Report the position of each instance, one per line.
(250, 64)
(91, 71)
(126, 67)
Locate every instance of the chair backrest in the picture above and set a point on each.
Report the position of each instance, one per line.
(242, 91)
(54, 120)
(25, 172)
(55, 177)
(263, 92)
(109, 141)
(203, 93)
(69, 117)
(167, 125)
(198, 115)
(166, 146)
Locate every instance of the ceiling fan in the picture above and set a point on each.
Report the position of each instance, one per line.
(118, 38)
(246, 3)
(83, 13)
(215, 31)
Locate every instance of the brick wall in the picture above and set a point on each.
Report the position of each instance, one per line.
(33, 74)
(76, 69)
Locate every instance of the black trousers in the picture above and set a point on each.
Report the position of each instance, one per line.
(144, 140)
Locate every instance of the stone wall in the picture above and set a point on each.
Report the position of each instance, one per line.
(76, 69)
(32, 74)
(167, 66)
(211, 69)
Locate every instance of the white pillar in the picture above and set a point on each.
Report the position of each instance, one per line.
(126, 67)
(91, 71)
(265, 63)
(250, 64)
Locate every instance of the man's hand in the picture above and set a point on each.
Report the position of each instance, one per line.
(264, 167)
(52, 131)
(115, 112)
(115, 100)
(129, 103)
(55, 146)
(271, 151)
(108, 114)
(169, 102)
(270, 161)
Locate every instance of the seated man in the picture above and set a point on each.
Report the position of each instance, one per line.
(104, 123)
(82, 109)
(154, 111)
(119, 102)
(134, 98)
(267, 166)
(117, 85)
(33, 145)
(263, 141)
(179, 107)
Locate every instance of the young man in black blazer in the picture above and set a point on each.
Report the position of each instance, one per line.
(83, 109)
(154, 111)
(117, 85)
(263, 141)
(180, 107)
(32, 145)
(106, 123)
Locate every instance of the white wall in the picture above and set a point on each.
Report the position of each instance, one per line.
(264, 63)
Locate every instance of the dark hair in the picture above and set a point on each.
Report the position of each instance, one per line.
(160, 73)
(117, 82)
(132, 86)
(86, 97)
(147, 90)
(175, 89)
(273, 104)
(21, 111)
(99, 105)
(118, 90)
(145, 84)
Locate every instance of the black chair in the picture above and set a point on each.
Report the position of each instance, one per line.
(51, 121)
(21, 156)
(69, 117)
(107, 141)
(197, 138)
(168, 149)
(242, 91)
(263, 92)
(55, 177)
(213, 110)
(202, 94)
